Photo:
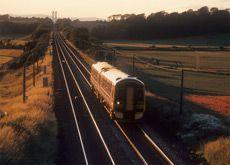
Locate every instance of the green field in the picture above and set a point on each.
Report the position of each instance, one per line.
(167, 83)
(11, 36)
(219, 60)
(7, 54)
(4, 59)
(210, 40)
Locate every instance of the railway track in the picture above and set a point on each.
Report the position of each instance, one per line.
(142, 144)
(85, 146)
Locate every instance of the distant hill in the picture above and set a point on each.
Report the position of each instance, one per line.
(30, 15)
(88, 19)
(88, 24)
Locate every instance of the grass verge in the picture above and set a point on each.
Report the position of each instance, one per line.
(217, 152)
(27, 131)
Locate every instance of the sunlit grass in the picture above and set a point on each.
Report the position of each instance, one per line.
(217, 152)
(7, 54)
(23, 126)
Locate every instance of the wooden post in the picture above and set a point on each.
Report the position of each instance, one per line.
(197, 62)
(33, 74)
(181, 91)
(114, 56)
(24, 84)
(133, 65)
(37, 66)
(45, 82)
(44, 69)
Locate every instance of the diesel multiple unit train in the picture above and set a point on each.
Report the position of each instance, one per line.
(123, 95)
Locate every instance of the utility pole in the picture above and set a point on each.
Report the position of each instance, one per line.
(37, 66)
(181, 91)
(33, 73)
(114, 56)
(24, 84)
(133, 65)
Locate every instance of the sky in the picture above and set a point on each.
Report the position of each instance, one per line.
(103, 8)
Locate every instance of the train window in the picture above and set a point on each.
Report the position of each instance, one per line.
(106, 85)
(94, 74)
(119, 94)
(140, 94)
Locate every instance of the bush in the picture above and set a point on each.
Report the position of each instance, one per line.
(218, 152)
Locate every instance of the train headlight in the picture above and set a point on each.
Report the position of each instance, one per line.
(119, 115)
(138, 115)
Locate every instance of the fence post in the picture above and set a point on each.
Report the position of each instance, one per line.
(181, 91)
(24, 84)
(197, 62)
(33, 74)
(133, 65)
(37, 66)
(45, 82)
(44, 69)
(114, 56)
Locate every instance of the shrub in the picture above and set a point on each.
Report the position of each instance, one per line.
(218, 152)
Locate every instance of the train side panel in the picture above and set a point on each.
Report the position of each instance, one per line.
(103, 87)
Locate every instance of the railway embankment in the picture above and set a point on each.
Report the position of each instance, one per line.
(28, 130)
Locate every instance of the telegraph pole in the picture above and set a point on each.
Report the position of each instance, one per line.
(33, 73)
(133, 65)
(37, 66)
(181, 91)
(24, 84)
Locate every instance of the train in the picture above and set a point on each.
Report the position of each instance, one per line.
(122, 94)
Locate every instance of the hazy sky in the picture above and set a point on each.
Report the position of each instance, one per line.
(103, 8)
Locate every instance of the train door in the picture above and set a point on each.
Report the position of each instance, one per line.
(129, 98)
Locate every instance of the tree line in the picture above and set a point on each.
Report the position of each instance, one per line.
(19, 25)
(204, 21)
(82, 39)
(7, 27)
(37, 46)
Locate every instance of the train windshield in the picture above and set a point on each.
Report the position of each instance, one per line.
(128, 95)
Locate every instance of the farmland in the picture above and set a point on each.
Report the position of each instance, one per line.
(7, 54)
(209, 40)
(207, 60)
(194, 81)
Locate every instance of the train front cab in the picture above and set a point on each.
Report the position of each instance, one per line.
(129, 100)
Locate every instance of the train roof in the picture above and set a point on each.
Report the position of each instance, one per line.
(112, 73)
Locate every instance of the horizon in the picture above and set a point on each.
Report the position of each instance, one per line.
(88, 10)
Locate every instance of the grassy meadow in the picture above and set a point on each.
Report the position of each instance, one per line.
(209, 40)
(194, 82)
(204, 59)
(12, 36)
(7, 54)
(27, 130)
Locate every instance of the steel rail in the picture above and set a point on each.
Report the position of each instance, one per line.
(77, 66)
(88, 109)
(75, 57)
(122, 131)
(72, 107)
(154, 145)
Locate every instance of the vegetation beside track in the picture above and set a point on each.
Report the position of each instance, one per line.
(27, 130)
(217, 152)
(7, 54)
(35, 48)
